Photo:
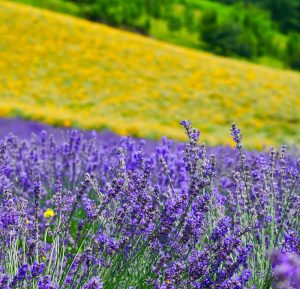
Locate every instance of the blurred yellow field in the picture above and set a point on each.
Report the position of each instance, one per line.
(67, 71)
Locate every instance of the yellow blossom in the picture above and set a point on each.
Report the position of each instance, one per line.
(67, 123)
(49, 213)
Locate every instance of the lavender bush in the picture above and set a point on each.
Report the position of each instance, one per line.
(286, 270)
(77, 214)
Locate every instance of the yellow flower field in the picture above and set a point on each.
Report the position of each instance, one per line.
(67, 71)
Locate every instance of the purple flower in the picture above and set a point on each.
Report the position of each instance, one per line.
(286, 270)
(8, 212)
(4, 281)
(94, 283)
(46, 283)
(22, 274)
(178, 215)
(236, 135)
(37, 269)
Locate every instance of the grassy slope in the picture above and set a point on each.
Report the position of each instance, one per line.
(64, 70)
(159, 29)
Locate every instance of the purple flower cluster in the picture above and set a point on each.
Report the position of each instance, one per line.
(286, 270)
(76, 213)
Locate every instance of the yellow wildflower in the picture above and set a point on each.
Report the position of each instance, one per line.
(49, 213)
(67, 123)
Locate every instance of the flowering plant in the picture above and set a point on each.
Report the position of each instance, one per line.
(76, 213)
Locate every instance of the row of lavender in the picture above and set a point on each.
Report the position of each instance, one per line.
(82, 212)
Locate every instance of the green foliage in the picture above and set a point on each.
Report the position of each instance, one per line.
(153, 8)
(208, 26)
(245, 33)
(247, 44)
(189, 19)
(119, 13)
(286, 13)
(174, 23)
(293, 51)
(262, 28)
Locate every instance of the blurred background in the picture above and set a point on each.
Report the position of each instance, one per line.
(139, 67)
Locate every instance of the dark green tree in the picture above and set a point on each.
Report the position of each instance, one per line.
(286, 13)
(174, 23)
(262, 29)
(293, 51)
(189, 18)
(208, 27)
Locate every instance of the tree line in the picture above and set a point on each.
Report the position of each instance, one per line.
(250, 30)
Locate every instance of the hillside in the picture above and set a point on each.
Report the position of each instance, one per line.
(67, 71)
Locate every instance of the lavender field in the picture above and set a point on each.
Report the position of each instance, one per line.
(91, 210)
(106, 184)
